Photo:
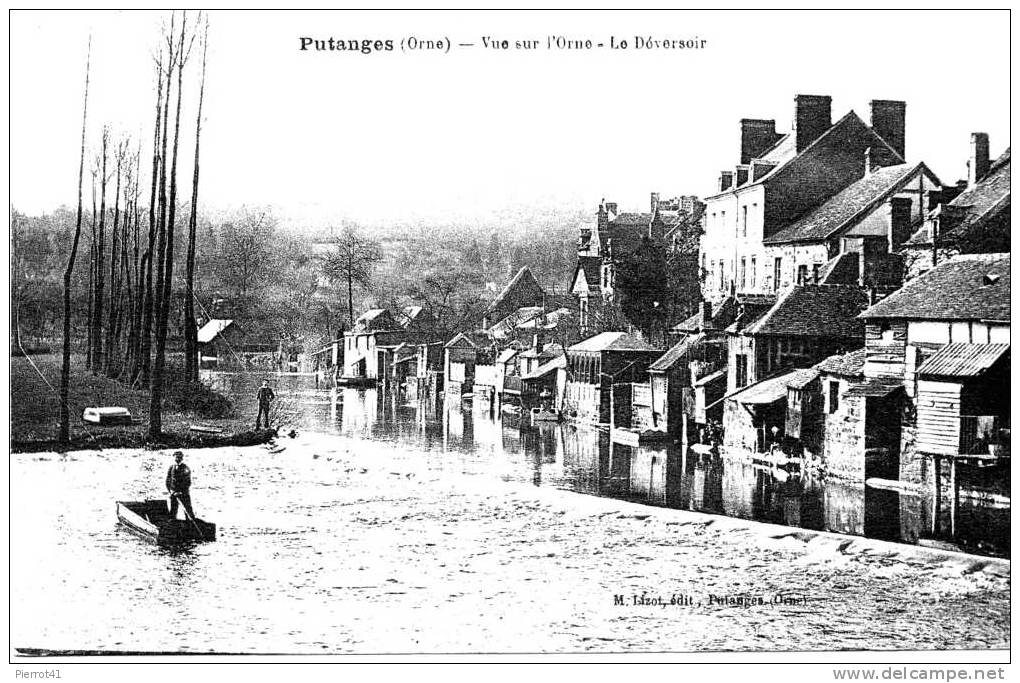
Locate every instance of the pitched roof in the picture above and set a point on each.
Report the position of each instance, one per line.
(546, 368)
(771, 390)
(846, 364)
(476, 339)
(676, 353)
(523, 278)
(847, 207)
(375, 319)
(550, 350)
(970, 209)
(722, 316)
(613, 341)
(841, 270)
(968, 287)
(506, 355)
(963, 360)
(784, 152)
(211, 329)
(815, 311)
(591, 267)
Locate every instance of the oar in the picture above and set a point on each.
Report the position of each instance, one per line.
(192, 518)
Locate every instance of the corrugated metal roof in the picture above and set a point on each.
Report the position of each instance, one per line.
(963, 360)
(613, 341)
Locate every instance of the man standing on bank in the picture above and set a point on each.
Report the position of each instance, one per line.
(178, 483)
(265, 397)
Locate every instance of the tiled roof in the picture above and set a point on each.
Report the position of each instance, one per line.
(846, 364)
(787, 157)
(476, 339)
(613, 341)
(970, 287)
(375, 319)
(676, 353)
(963, 360)
(970, 209)
(842, 270)
(631, 219)
(850, 205)
(815, 311)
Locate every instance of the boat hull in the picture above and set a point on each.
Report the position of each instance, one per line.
(151, 520)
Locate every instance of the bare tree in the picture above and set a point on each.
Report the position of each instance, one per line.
(352, 262)
(190, 324)
(245, 256)
(115, 266)
(65, 371)
(159, 360)
(144, 353)
(97, 310)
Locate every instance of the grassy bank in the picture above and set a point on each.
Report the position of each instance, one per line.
(35, 411)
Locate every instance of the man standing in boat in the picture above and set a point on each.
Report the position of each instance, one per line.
(265, 397)
(178, 483)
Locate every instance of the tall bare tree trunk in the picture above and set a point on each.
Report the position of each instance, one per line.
(190, 324)
(163, 311)
(111, 324)
(145, 330)
(97, 335)
(64, 434)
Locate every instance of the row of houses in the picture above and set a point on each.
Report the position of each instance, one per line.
(849, 308)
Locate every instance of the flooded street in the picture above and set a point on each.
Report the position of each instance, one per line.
(382, 528)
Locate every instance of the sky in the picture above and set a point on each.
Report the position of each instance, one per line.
(393, 137)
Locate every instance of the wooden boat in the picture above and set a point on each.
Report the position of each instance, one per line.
(151, 520)
(204, 429)
(107, 415)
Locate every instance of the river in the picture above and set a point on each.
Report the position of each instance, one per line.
(390, 528)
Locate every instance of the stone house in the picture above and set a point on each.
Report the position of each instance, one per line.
(977, 220)
(805, 324)
(755, 417)
(870, 218)
(783, 177)
(522, 290)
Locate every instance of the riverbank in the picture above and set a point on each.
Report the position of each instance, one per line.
(360, 546)
(35, 409)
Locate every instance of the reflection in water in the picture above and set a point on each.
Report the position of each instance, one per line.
(476, 437)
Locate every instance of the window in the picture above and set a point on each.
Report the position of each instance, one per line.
(794, 398)
(704, 271)
(816, 272)
(722, 280)
(743, 271)
(753, 269)
(778, 271)
(833, 397)
(802, 274)
(741, 370)
(743, 220)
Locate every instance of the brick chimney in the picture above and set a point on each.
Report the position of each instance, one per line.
(977, 167)
(899, 221)
(812, 117)
(889, 120)
(706, 315)
(756, 136)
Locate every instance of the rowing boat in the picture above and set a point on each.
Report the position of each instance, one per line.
(151, 520)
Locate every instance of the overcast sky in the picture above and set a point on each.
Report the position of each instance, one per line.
(394, 136)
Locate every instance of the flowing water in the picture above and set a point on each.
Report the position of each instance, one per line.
(390, 528)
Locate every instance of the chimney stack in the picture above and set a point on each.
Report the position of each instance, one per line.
(756, 136)
(740, 174)
(889, 120)
(706, 315)
(977, 167)
(813, 116)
